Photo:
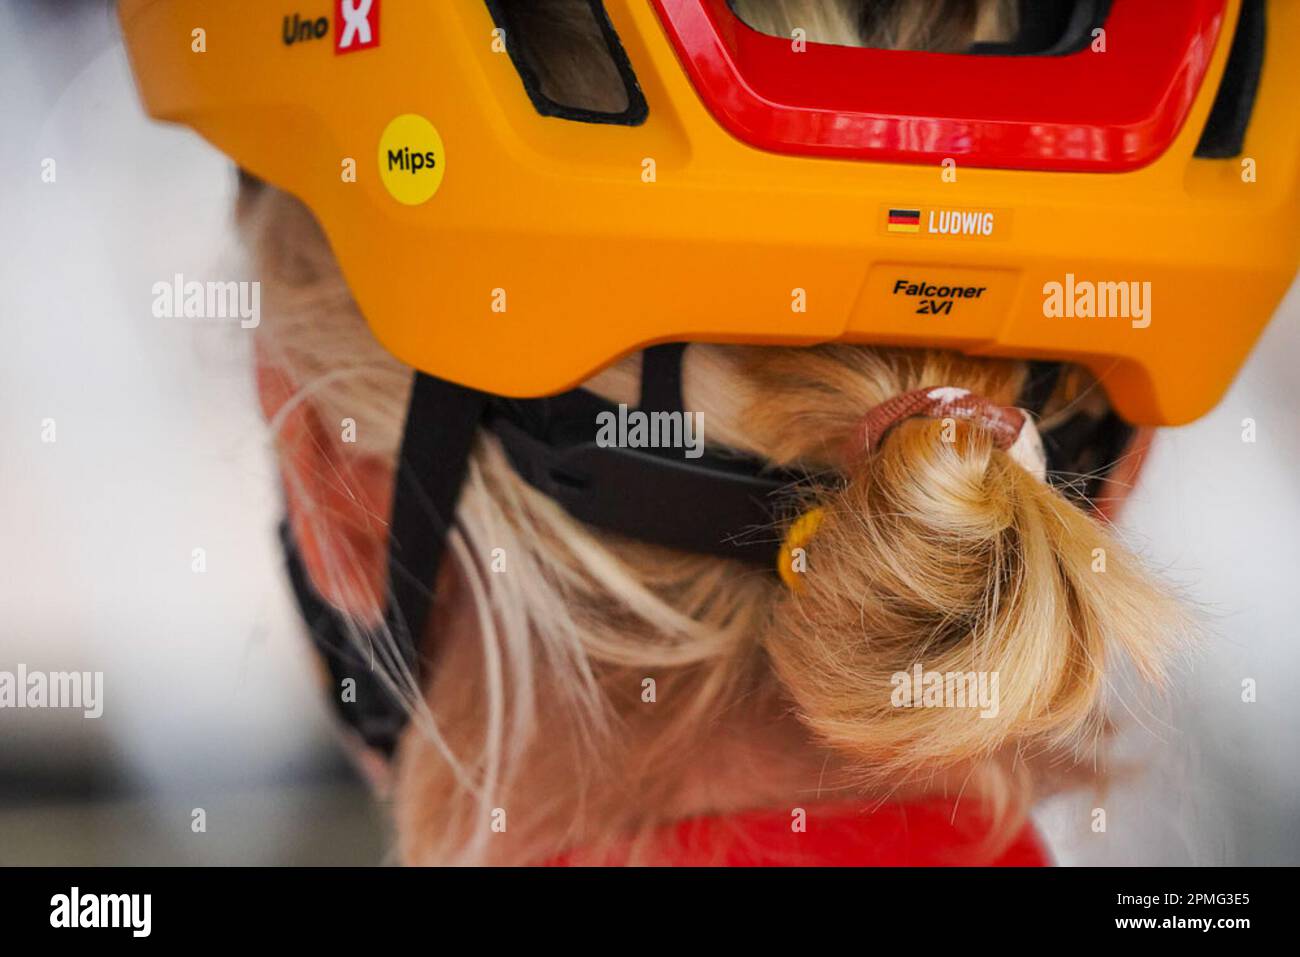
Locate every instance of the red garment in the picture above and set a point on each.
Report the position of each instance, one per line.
(892, 835)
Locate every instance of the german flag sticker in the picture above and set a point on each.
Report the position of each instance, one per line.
(904, 220)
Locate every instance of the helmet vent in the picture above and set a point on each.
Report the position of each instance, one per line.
(1224, 135)
(570, 60)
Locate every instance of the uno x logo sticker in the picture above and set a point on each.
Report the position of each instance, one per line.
(356, 25)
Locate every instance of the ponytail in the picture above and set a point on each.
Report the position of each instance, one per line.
(943, 560)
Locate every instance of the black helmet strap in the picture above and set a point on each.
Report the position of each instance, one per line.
(728, 506)
(708, 504)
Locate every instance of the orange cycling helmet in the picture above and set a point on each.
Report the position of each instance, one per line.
(1128, 202)
(1117, 186)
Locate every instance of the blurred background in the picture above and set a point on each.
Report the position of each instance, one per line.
(210, 701)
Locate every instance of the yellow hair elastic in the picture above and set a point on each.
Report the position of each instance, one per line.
(797, 537)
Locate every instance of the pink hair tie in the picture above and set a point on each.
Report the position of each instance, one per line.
(1012, 429)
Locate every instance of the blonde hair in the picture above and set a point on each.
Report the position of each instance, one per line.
(943, 26)
(942, 553)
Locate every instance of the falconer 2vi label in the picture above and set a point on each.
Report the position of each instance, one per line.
(412, 159)
(907, 299)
